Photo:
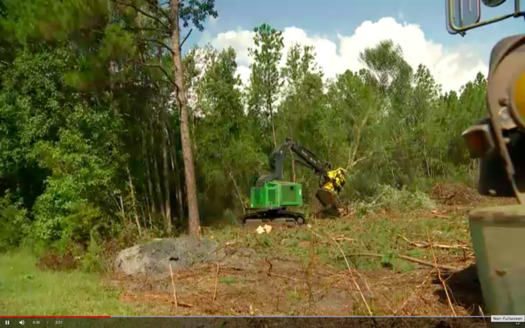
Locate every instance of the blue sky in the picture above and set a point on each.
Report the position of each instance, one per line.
(343, 16)
(330, 18)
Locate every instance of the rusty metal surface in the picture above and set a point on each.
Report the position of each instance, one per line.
(506, 63)
(498, 238)
(501, 49)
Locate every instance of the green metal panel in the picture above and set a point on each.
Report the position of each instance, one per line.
(498, 237)
(272, 196)
(257, 197)
(275, 194)
(291, 194)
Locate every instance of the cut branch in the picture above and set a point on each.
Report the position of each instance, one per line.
(216, 283)
(239, 195)
(427, 245)
(357, 140)
(411, 259)
(440, 277)
(353, 278)
(185, 38)
(173, 286)
(354, 162)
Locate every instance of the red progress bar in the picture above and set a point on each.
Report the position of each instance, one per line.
(55, 316)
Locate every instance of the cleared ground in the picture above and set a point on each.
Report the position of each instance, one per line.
(387, 263)
(383, 263)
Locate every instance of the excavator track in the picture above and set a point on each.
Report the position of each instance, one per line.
(279, 216)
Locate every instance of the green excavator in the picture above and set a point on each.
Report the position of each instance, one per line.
(271, 197)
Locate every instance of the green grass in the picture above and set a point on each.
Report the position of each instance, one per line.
(228, 280)
(26, 290)
(370, 234)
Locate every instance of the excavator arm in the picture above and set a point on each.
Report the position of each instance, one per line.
(331, 181)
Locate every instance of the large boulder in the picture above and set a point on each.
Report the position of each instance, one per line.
(153, 259)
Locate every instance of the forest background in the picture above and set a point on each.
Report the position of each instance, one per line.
(91, 147)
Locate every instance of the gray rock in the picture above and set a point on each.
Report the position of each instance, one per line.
(153, 259)
(242, 258)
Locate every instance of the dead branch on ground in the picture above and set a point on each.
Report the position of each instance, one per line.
(427, 245)
(173, 286)
(216, 283)
(268, 272)
(440, 277)
(353, 278)
(343, 237)
(238, 192)
(411, 259)
(412, 294)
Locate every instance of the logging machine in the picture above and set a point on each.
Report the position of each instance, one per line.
(498, 141)
(271, 197)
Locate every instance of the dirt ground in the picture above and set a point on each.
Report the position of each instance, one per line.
(277, 284)
(290, 290)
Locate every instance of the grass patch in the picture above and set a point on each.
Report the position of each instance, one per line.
(373, 233)
(228, 280)
(26, 290)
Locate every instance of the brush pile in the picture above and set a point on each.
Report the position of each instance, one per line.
(454, 194)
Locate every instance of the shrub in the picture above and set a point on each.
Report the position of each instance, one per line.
(14, 224)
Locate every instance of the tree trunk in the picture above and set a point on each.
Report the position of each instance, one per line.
(156, 175)
(123, 209)
(167, 198)
(145, 158)
(293, 160)
(149, 211)
(273, 126)
(176, 173)
(133, 202)
(189, 171)
(112, 86)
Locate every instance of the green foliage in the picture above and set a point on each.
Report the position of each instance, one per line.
(265, 79)
(91, 150)
(93, 260)
(394, 199)
(228, 280)
(14, 224)
(196, 12)
(228, 154)
(78, 192)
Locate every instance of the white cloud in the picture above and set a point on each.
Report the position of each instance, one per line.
(451, 67)
(239, 40)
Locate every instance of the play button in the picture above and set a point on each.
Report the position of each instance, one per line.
(22, 322)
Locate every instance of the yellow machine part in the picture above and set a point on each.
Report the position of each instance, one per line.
(334, 182)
